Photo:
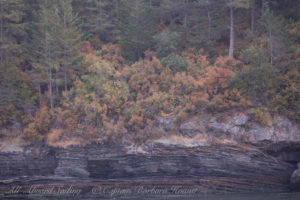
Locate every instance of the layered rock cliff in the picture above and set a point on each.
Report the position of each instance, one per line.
(222, 168)
(231, 154)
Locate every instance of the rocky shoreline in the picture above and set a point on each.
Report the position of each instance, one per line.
(241, 157)
(222, 168)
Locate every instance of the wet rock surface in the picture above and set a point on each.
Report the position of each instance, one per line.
(295, 178)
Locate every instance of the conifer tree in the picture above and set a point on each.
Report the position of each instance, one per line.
(136, 28)
(12, 33)
(42, 50)
(67, 41)
(233, 4)
(55, 47)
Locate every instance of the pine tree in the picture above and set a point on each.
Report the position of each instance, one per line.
(55, 47)
(98, 18)
(233, 4)
(42, 50)
(12, 33)
(67, 41)
(273, 28)
(136, 28)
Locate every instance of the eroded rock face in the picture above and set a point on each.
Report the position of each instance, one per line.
(30, 162)
(244, 168)
(240, 119)
(295, 178)
(240, 127)
(166, 122)
(285, 130)
(194, 126)
(260, 133)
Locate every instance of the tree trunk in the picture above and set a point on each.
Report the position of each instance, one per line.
(99, 21)
(231, 46)
(50, 79)
(40, 95)
(209, 22)
(65, 57)
(298, 8)
(1, 34)
(263, 2)
(50, 89)
(137, 22)
(271, 44)
(252, 16)
(118, 8)
(56, 74)
(56, 85)
(65, 80)
(47, 51)
(185, 20)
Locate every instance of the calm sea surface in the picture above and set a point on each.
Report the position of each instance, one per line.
(278, 196)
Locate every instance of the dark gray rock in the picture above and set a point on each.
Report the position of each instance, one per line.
(260, 133)
(240, 119)
(295, 179)
(71, 172)
(243, 167)
(218, 128)
(27, 163)
(285, 130)
(166, 122)
(193, 127)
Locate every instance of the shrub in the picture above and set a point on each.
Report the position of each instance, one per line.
(41, 124)
(175, 62)
(260, 115)
(256, 81)
(285, 97)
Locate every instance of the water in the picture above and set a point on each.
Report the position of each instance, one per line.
(174, 189)
(276, 196)
(136, 192)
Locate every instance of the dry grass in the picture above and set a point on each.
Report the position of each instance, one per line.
(198, 140)
(12, 144)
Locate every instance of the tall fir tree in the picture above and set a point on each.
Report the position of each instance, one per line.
(55, 47)
(67, 41)
(42, 50)
(12, 34)
(136, 27)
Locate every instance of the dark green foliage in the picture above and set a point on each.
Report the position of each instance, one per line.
(167, 42)
(257, 77)
(175, 62)
(177, 47)
(254, 80)
(285, 97)
(136, 25)
(54, 48)
(16, 92)
(98, 18)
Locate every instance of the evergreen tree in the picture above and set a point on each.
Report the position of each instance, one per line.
(12, 33)
(42, 50)
(233, 4)
(55, 47)
(136, 27)
(98, 18)
(67, 41)
(274, 31)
